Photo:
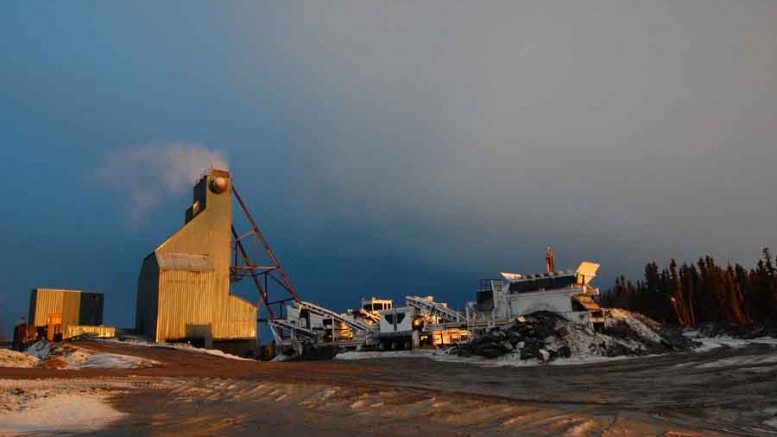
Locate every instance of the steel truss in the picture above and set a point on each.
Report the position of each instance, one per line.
(263, 274)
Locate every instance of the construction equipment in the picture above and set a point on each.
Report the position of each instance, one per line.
(428, 306)
(326, 313)
(399, 328)
(567, 293)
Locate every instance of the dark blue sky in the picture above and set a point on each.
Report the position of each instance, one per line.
(395, 148)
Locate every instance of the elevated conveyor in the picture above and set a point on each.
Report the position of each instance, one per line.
(321, 311)
(429, 306)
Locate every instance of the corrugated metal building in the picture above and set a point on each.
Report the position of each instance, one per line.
(79, 311)
(47, 301)
(184, 285)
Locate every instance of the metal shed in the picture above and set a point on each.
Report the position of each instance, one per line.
(76, 311)
(47, 301)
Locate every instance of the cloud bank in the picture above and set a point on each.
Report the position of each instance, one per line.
(617, 131)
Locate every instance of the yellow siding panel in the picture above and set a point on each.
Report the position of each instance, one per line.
(197, 304)
(98, 331)
(65, 302)
(71, 308)
(194, 304)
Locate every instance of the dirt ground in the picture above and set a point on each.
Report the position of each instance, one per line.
(720, 392)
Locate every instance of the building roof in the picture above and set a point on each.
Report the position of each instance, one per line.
(184, 261)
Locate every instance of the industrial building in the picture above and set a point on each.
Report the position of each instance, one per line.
(67, 313)
(183, 292)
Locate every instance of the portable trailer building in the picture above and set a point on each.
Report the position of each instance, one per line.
(70, 312)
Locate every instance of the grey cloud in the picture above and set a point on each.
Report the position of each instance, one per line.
(617, 130)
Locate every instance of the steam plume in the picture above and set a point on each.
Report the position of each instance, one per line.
(152, 173)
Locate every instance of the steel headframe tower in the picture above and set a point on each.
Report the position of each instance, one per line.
(264, 275)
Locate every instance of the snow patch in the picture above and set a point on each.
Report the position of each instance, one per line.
(741, 361)
(418, 353)
(178, 346)
(40, 349)
(514, 360)
(638, 326)
(60, 413)
(111, 361)
(508, 360)
(280, 358)
(9, 358)
(710, 343)
(69, 356)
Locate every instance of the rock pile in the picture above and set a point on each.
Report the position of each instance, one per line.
(526, 336)
(546, 336)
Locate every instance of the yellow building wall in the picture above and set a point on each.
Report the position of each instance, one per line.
(47, 301)
(198, 303)
(96, 331)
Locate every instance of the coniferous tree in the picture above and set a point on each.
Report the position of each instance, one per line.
(701, 292)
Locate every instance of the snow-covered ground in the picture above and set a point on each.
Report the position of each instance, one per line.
(508, 360)
(178, 346)
(9, 358)
(68, 356)
(772, 423)
(51, 407)
(59, 414)
(107, 361)
(40, 349)
(418, 353)
(709, 343)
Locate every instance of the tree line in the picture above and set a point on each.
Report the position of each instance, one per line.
(692, 294)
